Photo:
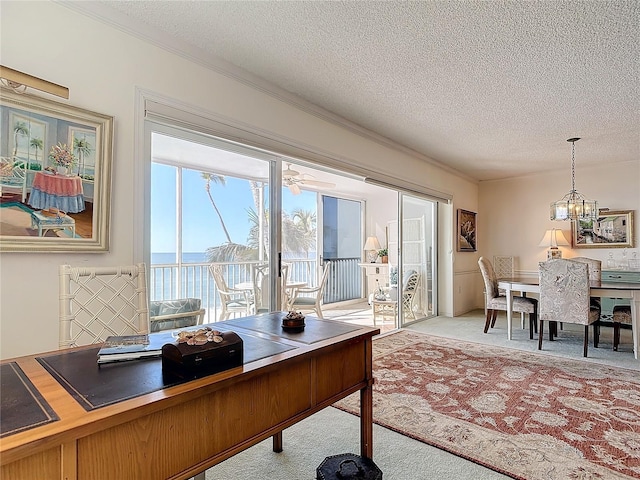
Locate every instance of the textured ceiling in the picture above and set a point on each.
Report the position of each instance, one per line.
(491, 88)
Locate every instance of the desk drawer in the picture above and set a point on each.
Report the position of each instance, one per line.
(625, 276)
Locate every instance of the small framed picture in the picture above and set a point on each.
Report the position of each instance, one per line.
(467, 231)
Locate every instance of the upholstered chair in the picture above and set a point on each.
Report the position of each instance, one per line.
(179, 313)
(496, 302)
(621, 315)
(595, 276)
(564, 296)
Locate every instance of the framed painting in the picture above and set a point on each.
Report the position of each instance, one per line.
(612, 228)
(55, 176)
(466, 231)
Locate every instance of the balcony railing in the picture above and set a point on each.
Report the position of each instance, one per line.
(180, 280)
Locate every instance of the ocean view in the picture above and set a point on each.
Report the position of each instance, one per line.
(170, 257)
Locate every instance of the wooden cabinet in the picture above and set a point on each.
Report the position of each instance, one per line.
(377, 276)
(617, 276)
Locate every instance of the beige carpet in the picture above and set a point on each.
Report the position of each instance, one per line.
(332, 432)
(528, 415)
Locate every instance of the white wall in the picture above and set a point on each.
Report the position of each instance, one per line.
(102, 67)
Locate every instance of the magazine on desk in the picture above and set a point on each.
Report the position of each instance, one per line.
(131, 347)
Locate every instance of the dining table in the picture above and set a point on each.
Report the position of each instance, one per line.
(597, 289)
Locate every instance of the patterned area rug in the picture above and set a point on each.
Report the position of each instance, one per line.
(526, 415)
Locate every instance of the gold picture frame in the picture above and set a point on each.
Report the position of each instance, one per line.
(612, 229)
(466, 231)
(65, 211)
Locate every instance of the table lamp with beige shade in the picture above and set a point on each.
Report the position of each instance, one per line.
(371, 246)
(554, 238)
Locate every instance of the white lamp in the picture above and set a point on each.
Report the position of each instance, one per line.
(371, 246)
(552, 238)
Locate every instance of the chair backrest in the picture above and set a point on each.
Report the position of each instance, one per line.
(409, 289)
(179, 313)
(489, 277)
(323, 280)
(217, 273)
(595, 267)
(564, 291)
(260, 279)
(504, 266)
(101, 301)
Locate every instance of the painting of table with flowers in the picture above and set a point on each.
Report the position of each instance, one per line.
(62, 155)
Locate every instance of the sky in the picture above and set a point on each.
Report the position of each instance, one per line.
(201, 225)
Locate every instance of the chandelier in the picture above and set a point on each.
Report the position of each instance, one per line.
(573, 206)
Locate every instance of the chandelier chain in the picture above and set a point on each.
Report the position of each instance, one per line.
(573, 166)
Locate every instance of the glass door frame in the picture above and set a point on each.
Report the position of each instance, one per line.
(424, 285)
(274, 185)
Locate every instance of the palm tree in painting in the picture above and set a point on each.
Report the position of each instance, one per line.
(20, 128)
(82, 148)
(36, 144)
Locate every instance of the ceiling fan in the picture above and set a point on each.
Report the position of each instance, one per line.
(294, 180)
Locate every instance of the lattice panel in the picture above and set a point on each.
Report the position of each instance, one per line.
(96, 303)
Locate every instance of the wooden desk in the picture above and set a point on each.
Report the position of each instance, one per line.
(177, 432)
(600, 289)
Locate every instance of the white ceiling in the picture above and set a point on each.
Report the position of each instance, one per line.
(491, 88)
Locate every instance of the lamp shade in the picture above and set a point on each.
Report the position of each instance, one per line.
(553, 238)
(372, 243)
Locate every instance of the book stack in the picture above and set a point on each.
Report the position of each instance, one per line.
(132, 347)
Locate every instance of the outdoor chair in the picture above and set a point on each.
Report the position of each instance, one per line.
(496, 302)
(232, 300)
(410, 287)
(310, 298)
(260, 279)
(101, 301)
(564, 296)
(171, 314)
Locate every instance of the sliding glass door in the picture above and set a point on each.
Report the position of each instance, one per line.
(212, 230)
(416, 233)
(342, 246)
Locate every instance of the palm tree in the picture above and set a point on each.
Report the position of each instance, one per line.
(81, 147)
(219, 179)
(36, 144)
(20, 128)
(305, 228)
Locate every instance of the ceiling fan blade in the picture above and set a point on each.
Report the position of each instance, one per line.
(294, 188)
(317, 183)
